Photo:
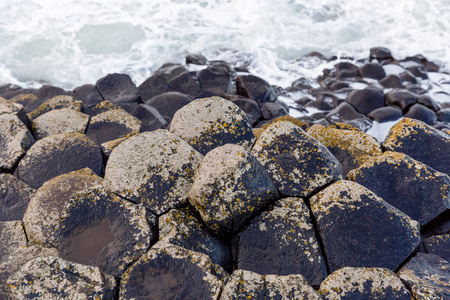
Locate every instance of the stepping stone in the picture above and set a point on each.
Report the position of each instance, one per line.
(282, 241)
(346, 113)
(153, 168)
(438, 245)
(351, 148)
(374, 71)
(56, 102)
(118, 88)
(15, 140)
(59, 121)
(258, 89)
(385, 114)
(366, 100)
(297, 163)
(212, 122)
(385, 176)
(363, 283)
(54, 278)
(56, 155)
(111, 125)
(181, 228)
(427, 276)
(359, 229)
(14, 197)
(229, 188)
(400, 98)
(100, 229)
(171, 272)
(422, 142)
(41, 218)
(392, 81)
(422, 113)
(245, 284)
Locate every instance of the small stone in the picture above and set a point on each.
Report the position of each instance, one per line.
(15, 141)
(346, 113)
(245, 284)
(171, 272)
(363, 283)
(275, 109)
(427, 276)
(359, 229)
(54, 278)
(185, 84)
(57, 102)
(258, 89)
(385, 114)
(297, 163)
(212, 122)
(196, 59)
(438, 245)
(374, 71)
(366, 100)
(282, 241)
(153, 86)
(215, 80)
(59, 121)
(422, 113)
(153, 168)
(98, 228)
(428, 102)
(118, 88)
(56, 155)
(14, 197)
(392, 81)
(380, 53)
(229, 188)
(417, 139)
(418, 71)
(41, 218)
(400, 98)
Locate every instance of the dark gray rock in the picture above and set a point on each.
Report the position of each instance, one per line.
(380, 53)
(118, 88)
(230, 187)
(385, 114)
(392, 81)
(14, 198)
(408, 76)
(418, 71)
(282, 241)
(9, 107)
(185, 84)
(428, 102)
(346, 113)
(359, 229)
(422, 113)
(256, 88)
(29, 101)
(98, 228)
(171, 272)
(48, 91)
(153, 86)
(400, 98)
(374, 71)
(271, 110)
(215, 80)
(87, 93)
(56, 102)
(248, 105)
(438, 245)
(150, 118)
(95, 109)
(56, 155)
(444, 115)
(169, 103)
(170, 70)
(196, 59)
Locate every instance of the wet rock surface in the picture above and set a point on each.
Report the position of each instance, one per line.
(14, 197)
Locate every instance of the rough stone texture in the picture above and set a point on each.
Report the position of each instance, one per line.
(108, 147)
(438, 245)
(297, 163)
(423, 196)
(57, 102)
(118, 88)
(15, 140)
(153, 168)
(181, 228)
(171, 272)
(111, 125)
(12, 237)
(41, 218)
(54, 278)
(427, 276)
(245, 284)
(256, 88)
(14, 197)
(359, 229)
(366, 100)
(8, 107)
(351, 148)
(100, 229)
(95, 109)
(282, 241)
(212, 122)
(58, 121)
(363, 283)
(29, 101)
(422, 142)
(56, 155)
(229, 188)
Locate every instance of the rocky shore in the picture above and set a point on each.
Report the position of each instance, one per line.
(197, 184)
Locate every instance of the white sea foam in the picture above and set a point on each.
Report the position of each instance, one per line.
(72, 42)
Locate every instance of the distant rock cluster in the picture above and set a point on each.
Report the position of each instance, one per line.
(199, 185)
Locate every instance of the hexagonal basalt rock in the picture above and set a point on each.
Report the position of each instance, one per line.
(172, 272)
(153, 168)
(58, 121)
(181, 228)
(229, 188)
(212, 122)
(15, 140)
(351, 148)
(428, 276)
(363, 283)
(12, 237)
(56, 155)
(56, 102)
(54, 278)
(359, 229)
(100, 229)
(14, 197)
(249, 285)
(297, 163)
(9, 107)
(438, 245)
(422, 142)
(41, 218)
(423, 196)
(112, 125)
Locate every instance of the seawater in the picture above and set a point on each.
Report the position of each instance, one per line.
(72, 42)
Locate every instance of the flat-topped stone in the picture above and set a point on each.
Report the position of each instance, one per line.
(57, 102)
